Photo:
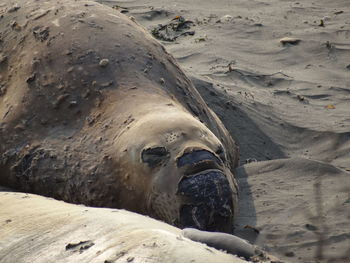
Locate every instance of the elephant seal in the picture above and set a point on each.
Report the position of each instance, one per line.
(94, 111)
(39, 229)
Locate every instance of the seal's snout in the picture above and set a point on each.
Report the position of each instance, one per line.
(206, 193)
(208, 202)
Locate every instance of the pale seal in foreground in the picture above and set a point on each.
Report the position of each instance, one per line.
(37, 229)
(93, 110)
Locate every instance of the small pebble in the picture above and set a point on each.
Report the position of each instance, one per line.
(250, 160)
(226, 18)
(106, 84)
(73, 103)
(290, 40)
(301, 98)
(330, 107)
(104, 62)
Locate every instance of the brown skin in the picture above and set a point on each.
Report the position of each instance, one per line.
(73, 128)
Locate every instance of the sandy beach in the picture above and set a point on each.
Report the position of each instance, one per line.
(277, 74)
(287, 104)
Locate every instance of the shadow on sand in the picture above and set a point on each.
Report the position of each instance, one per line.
(254, 145)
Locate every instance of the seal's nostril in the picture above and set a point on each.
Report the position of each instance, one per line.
(195, 157)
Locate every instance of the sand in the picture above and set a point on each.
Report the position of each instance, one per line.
(277, 73)
(286, 104)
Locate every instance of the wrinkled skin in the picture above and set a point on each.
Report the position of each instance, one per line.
(179, 151)
(93, 110)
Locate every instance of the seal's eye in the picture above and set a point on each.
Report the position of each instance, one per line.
(155, 156)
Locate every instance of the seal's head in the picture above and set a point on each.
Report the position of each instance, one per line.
(178, 170)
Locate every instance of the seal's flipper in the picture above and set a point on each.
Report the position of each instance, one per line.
(230, 243)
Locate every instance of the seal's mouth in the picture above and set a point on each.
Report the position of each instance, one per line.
(207, 195)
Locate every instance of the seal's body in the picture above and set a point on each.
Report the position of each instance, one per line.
(38, 229)
(93, 110)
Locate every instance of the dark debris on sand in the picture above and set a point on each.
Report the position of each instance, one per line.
(177, 27)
